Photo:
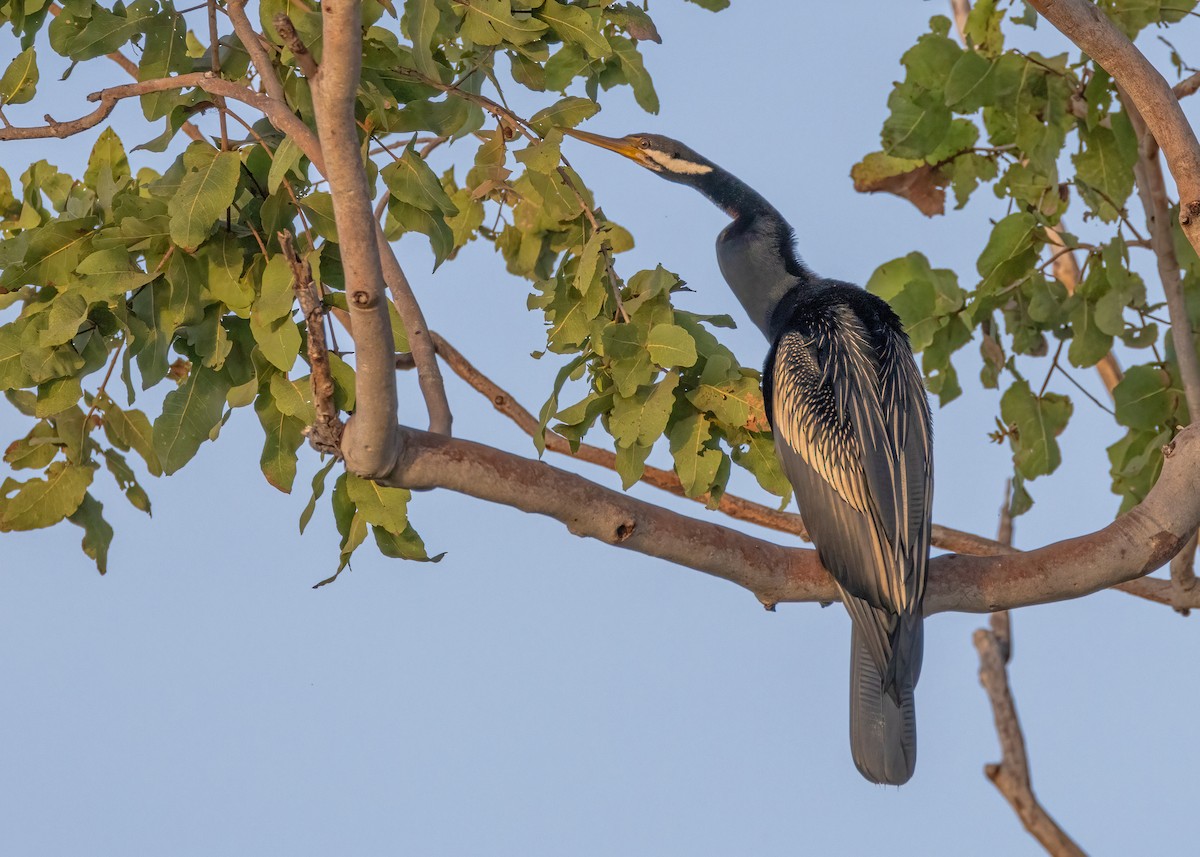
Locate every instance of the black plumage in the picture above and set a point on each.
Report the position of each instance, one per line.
(853, 433)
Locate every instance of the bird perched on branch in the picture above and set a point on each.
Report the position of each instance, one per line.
(852, 430)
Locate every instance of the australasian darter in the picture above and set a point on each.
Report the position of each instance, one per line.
(852, 429)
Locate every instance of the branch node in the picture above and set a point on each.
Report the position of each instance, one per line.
(363, 299)
(625, 530)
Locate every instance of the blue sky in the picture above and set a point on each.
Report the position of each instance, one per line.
(538, 694)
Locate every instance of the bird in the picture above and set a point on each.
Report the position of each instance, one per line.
(853, 432)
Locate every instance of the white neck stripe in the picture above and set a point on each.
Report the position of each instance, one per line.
(677, 165)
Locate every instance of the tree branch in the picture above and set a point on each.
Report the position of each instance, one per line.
(1133, 545)
(108, 98)
(1011, 775)
(429, 374)
(252, 41)
(292, 41)
(325, 434)
(735, 507)
(371, 440)
(1152, 189)
(130, 68)
(1090, 29)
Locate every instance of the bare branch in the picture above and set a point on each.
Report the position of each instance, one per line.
(961, 9)
(1090, 29)
(108, 99)
(1011, 774)
(429, 374)
(253, 43)
(325, 434)
(1187, 86)
(293, 42)
(371, 440)
(214, 54)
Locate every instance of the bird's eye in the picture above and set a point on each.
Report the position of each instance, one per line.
(645, 144)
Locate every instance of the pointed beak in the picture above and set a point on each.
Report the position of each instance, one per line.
(620, 145)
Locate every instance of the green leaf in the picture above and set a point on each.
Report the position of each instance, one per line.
(628, 360)
(41, 503)
(565, 113)
(286, 159)
(695, 462)
(284, 435)
(318, 488)
(918, 122)
(1145, 399)
(189, 415)
(491, 23)
(1088, 342)
(379, 505)
(404, 545)
(670, 345)
(97, 534)
(130, 429)
(410, 180)
(420, 20)
(635, 72)
(18, 85)
(1038, 421)
(573, 24)
(631, 463)
(1104, 172)
(205, 192)
(1009, 254)
(970, 85)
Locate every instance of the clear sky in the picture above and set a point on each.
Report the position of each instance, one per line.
(538, 694)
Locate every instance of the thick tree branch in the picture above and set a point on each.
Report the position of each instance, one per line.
(1152, 189)
(1089, 28)
(1133, 545)
(735, 507)
(429, 374)
(371, 440)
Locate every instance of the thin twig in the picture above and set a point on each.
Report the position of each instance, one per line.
(215, 58)
(253, 43)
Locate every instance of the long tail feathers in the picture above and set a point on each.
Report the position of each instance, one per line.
(883, 735)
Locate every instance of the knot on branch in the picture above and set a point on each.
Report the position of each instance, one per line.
(1189, 211)
(362, 300)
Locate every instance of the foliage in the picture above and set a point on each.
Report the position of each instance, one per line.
(1048, 134)
(177, 277)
